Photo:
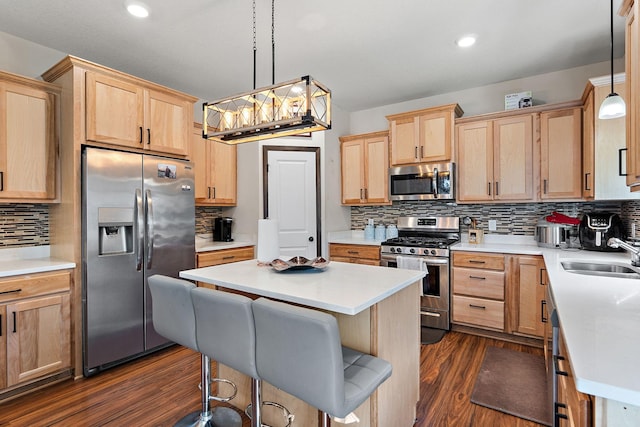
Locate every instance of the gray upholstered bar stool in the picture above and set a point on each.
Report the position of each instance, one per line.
(174, 318)
(225, 331)
(298, 350)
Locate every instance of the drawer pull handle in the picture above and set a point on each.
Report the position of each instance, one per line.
(475, 261)
(477, 278)
(14, 323)
(543, 318)
(481, 307)
(229, 257)
(541, 279)
(148, 136)
(140, 134)
(12, 291)
(558, 415)
(353, 252)
(556, 365)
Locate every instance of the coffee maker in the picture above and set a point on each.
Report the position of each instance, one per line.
(222, 229)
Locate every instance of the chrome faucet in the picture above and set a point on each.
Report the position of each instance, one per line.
(614, 242)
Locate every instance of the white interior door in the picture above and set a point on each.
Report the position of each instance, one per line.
(291, 198)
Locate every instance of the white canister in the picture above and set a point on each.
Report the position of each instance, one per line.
(368, 232)
(392, 231)
(380, 232)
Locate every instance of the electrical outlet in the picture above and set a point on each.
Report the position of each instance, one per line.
(493, 225)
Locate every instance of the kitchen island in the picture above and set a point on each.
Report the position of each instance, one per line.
(377, 309)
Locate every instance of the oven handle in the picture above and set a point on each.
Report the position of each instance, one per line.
(426, 260)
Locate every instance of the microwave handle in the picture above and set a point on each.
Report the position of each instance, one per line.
(434, 179)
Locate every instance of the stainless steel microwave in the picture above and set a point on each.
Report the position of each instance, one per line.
(427, 181)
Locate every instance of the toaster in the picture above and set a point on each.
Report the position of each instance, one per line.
(596, 228)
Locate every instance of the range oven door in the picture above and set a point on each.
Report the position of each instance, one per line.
(434, 301)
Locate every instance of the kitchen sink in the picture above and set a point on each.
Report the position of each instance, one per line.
(618, 270)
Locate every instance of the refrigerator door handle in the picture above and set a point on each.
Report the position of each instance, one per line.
(139, 221)
(149, 226)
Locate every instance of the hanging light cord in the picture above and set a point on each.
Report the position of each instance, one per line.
(255, 49)
(273, 42)
(611, 14)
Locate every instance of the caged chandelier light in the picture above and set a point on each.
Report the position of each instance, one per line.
(288, 108)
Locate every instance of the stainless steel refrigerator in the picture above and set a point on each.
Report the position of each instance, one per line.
(138, 220)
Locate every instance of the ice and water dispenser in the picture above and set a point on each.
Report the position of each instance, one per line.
(115, 227)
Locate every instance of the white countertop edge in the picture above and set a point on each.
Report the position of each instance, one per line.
(608, 391)
(351, 237)
(31, 266)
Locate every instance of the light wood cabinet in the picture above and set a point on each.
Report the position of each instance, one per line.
(356, 254)
(604, 165)
(577, 409)
(365, 169)
(215, 165)
(630, 9)
(130, 114)
(28, 139)
(478, 287)
(495, 159)
(528, 310)
(224, 256)
(561, 154)
(588, 145)
(423, 136)
(35, 312)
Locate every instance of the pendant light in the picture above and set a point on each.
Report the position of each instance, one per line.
(296, 106)
(613, 106)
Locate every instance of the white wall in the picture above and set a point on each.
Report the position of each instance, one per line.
(334, 216)
(549, 88)
(23, 57)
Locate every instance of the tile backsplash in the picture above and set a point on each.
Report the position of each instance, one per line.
(28, 224)
(24, 225)
(515, 218)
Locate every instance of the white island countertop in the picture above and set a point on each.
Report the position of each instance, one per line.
(341, 287)
(599, 317)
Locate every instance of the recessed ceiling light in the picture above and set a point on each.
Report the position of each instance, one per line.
(139, 10)
(466, 41)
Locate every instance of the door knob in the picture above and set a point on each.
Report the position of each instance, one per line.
(311, 238)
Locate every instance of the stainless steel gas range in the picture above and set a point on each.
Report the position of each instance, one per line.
(423, 243)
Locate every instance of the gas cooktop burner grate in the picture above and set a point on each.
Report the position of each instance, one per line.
(424, 242)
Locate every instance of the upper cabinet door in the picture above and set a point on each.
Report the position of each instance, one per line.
(435, 137)
(114, 111)
(561, 154)
(353, 170)
(223, 172)
(167, 123)
(475, 161)
(513, 158)
(404, 141)
(27, 143)
(376, 169)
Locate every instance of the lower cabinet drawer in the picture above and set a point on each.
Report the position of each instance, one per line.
(478, 311)
(224, 256)
(478, 283)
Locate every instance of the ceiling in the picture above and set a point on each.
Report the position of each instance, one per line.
(368, 52)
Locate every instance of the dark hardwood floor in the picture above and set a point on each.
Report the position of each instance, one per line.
(159, 389)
